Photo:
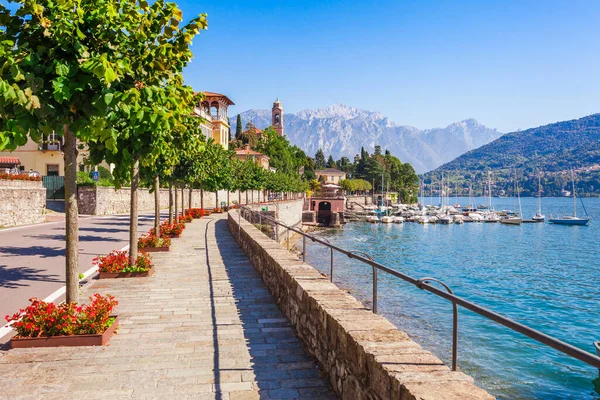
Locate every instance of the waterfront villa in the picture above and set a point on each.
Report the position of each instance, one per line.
(246, 153)
(331, 175)
(214, 110)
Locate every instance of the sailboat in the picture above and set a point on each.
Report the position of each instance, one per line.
(539, 217)
(515, 219)
(574, 219)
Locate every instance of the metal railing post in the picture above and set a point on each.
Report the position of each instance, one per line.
(423, 281)
(362, 253)
(303, 248)
(330, 258)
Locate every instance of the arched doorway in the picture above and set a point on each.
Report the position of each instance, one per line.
(324, 213)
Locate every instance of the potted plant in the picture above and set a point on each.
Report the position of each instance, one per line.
(67, 324)
(217, 210)
(150, 243)
(116, 265)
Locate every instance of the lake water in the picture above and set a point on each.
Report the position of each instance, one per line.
(545, 276)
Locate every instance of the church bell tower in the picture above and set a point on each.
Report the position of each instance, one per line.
(277, 117)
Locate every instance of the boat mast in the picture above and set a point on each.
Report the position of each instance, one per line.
(540, 193)
(490, 188)
(574, 195)
(518, 195)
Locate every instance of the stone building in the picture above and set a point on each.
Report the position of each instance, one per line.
(214, 110)
(246, 153)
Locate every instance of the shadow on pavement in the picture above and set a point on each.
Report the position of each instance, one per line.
(43, 251)
(281, 365)
(13, 278)
(82, 238)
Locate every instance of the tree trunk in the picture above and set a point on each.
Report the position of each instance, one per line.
(239, 197)
(157, 205)
(201, 197)
(190, 197)
(71, 214)
(182, 202)
(133, 211)
(171, 201)
(252, 196)
(216, 199)
(176, 211)
(246, 197)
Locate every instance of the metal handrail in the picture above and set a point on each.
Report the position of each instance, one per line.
(534, 334)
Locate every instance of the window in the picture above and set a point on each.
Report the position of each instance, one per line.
(52, 170)
(277, 119)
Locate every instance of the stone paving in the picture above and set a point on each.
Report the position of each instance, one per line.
(197, 329)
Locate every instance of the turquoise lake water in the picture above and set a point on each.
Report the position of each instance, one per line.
(545, 276)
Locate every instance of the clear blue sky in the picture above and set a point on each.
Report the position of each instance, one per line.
(509, 64)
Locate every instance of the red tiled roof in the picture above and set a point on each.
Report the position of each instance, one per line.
(213, 94)
(249, 152)
(10, 160)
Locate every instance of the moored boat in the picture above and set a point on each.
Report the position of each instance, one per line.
(572, 219)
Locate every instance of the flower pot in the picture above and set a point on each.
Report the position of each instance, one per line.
(59, 341)
(154, 249)
(111, 275)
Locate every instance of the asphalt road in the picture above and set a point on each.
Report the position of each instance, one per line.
(32, 258)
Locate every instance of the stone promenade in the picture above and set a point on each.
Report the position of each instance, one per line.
(203, 327)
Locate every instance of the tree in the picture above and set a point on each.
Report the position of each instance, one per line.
(149, 102)
(331, 162)
(238, 128)
(60, 63)
(319, 160)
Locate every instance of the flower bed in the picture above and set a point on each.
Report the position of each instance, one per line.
(20, 177)
(185, 218)
(169, 230)
(116, 265)
(151, 243)
(217, 210)
(49, 325)
(197, 212)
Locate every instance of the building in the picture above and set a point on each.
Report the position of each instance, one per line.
(45, 157)
(246, 153)
(331, 175)
(214, 110)
(277, 117)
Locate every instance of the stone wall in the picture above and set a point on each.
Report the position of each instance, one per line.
(21, 202)
(363, 354)
(100, 200)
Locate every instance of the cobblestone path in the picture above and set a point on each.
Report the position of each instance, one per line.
(203, 327)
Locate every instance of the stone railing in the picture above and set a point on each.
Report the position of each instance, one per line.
(364, 355)
(21, 202)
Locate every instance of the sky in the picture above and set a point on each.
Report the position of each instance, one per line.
(508, 64)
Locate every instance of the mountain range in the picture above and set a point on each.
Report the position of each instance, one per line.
(341, 130)
(552, 150)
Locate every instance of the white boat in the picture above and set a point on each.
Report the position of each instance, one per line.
(475, 217)
(446, 219)
(516, 218)
(458, 220)
(491, 217)
(511, 220)
(574, 219)
(373, 219)
(387, 219)
(398, 220)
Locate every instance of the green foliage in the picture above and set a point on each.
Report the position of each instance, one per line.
(238, 128)
(319, 160)
(84, 179)
(331, 163)
(355, 185)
